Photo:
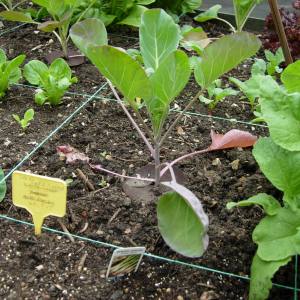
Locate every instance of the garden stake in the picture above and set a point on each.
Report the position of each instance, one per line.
(280, 31)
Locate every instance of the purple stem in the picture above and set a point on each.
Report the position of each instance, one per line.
(136, 126)
(99, 168)
(170, 165)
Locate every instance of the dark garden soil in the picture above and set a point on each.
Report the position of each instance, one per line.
(50, 267)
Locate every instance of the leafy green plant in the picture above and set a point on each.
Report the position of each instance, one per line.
(10, 71)
(61, 12)
(2, 185)
(242, 11)
(126, 12)
(217, 94)
(53, 81)
(28, 116)
(278, 156)
(162, 76)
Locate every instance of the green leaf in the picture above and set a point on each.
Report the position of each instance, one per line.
(43, 3)
(278, 236)
(269, 203)
(12, 70)
(88, 33)
(180, 226)
(16, 16)
(178, 7)
(190, 5)
(40, 97)
(35, 72)
(29, 115)
(134, 17)
(243, 9)
(210, 14)
(17, 118)
(2, 185)
(48, 26)
(224, 55)
(159, 36)
(282, 113)
(123, 71)
(3, 57)
(167, 82)
(280, 166)
(59, 69)
(261, 276)
(259, 67)
(274, 60)
(291, 77)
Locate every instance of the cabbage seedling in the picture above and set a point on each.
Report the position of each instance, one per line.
(158, 81)
(53, 82)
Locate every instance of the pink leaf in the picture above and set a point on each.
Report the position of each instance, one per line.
(232, 139)
(71, 154)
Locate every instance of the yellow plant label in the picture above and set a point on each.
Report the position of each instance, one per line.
(40, 195)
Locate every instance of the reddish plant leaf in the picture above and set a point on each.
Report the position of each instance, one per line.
(232, 139)
(71, 154)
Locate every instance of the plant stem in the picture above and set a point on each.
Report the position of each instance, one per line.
(136, 126)
(228, 23)
(179, 117)
(157, 163)
(189, 155)
(99, 168)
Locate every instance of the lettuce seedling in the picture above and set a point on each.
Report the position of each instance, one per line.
(278, 156)
(53, 82)
(217, 94)
(158, 81)
(2, 185)
(10, 71)
(28, 116)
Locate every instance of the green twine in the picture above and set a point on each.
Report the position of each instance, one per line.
(147, 254)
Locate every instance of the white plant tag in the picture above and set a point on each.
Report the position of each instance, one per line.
(125, 261)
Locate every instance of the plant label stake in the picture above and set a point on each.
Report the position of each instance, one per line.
(124, 261)
(41, 196)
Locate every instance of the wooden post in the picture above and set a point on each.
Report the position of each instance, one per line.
(280, 31)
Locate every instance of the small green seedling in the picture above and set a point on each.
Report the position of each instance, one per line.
(217, 94)
(53, 82)
(10, 72)
(28, 117)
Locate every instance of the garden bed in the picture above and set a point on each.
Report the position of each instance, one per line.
(50, 263)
